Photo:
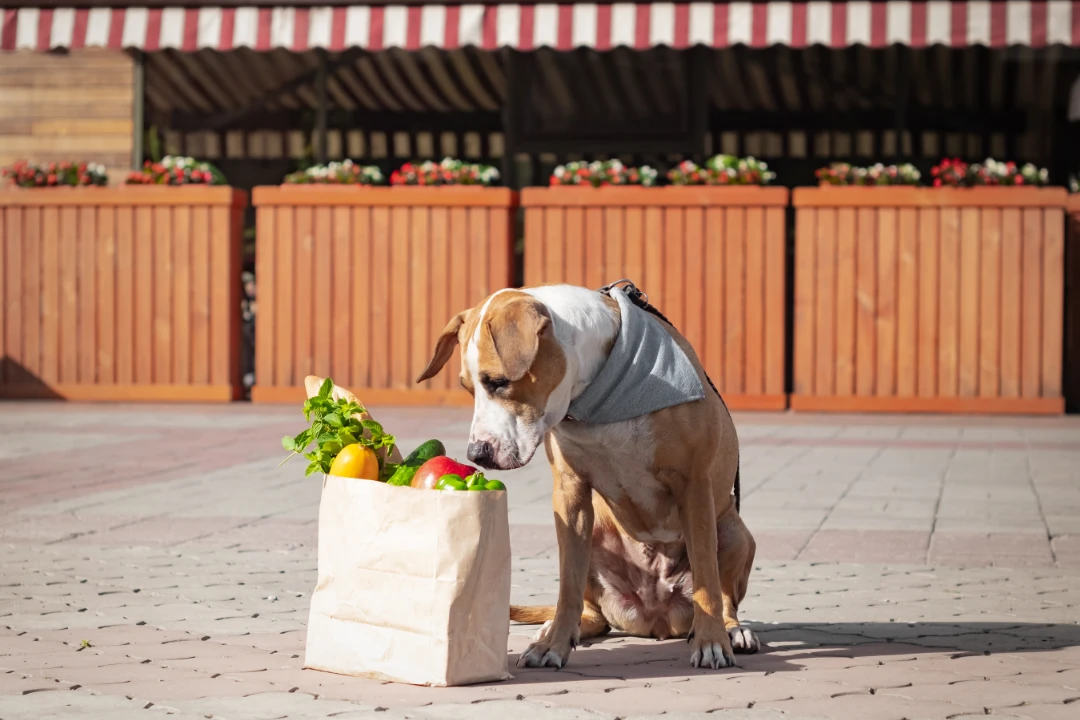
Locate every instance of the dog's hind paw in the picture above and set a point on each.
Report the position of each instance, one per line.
(744, 640)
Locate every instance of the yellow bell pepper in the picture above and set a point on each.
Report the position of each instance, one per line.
(356, 461)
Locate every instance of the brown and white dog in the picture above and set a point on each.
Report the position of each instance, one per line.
(650, 542)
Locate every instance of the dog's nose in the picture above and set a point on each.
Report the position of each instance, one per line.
(480, 453)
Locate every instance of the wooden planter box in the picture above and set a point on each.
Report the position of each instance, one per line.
(929, 300)
(357, 283)
(1072, 307)
(126, 293)
(711, 259)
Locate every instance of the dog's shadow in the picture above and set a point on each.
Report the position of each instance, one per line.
(796, 646)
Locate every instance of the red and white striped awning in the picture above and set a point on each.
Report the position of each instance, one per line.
(955, 23)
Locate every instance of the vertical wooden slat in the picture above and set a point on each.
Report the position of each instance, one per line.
(31, 296)
(342, 275)
(224, 300)
(479, 254)
(653, 278)
(398, 295)
(1053, 298)
(1031, 316)
(304, 302)
(459, 289)
(284, 310)
(269, 282)
(421, 291)
(949, 303)
(125, 295)
(441, 307)
(754, 318)
(886, 308)
(363, 281)
(989, 240)
(929, 223)
(575, 272)
(907, 303)
(614, 244)
(69, 300)
(265, 276)
(1011, 264)
(672, 299)
(50, 294)
(694, 293)
(714, 293)
(867, 240)
(734, 300)
(555, 268)
(323, 291)
(845, 301)
(594, 248)
(500, 249)
(534, 245)
(106, 287)
(635, 245)
(181, 309)
(775, 300)
(87, 294)
(970, 270)
(825, 321)
(163, 274)
(805, 308)
(13, 296)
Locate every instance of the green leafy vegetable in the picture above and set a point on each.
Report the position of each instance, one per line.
(333, 426)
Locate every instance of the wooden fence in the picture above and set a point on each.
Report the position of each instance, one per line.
(920, 299)
(1071, 372)
(120, 293)
(711, 259)
(357, 283)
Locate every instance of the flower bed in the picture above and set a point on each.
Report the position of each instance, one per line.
(126, 293)
(25, 174)
(943, 299)
(174, 170)
(710, 258)
(357, 283)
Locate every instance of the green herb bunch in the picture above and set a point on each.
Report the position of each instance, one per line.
(333, 426)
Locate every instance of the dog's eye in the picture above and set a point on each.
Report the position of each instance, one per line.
(494, 385)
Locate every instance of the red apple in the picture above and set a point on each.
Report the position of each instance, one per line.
(430, 472)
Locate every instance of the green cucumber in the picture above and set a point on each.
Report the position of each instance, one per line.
(425, 451)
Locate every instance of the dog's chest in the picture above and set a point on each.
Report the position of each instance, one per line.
(617, 459)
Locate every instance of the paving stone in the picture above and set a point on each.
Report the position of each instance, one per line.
(211, 545)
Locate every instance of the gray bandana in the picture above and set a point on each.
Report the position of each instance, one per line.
(646, 371)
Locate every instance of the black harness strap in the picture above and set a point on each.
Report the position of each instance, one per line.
(641, 300)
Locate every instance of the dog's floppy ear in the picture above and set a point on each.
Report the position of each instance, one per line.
(516, 337)
(444, 348)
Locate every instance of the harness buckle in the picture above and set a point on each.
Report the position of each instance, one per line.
(636, 296)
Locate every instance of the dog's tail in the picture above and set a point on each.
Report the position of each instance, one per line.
(532, 614)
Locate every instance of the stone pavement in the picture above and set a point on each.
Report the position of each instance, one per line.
(157, 562)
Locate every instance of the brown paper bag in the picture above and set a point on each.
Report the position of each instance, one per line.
(414, 585)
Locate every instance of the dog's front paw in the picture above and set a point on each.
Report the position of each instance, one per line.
(547, 651)
(711, 653)
(545, 629)
(744, 640)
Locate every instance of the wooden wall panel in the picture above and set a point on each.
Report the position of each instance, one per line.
(388, 269)
(710, 259)
(959, 297)
(72, 106)
(121, 293)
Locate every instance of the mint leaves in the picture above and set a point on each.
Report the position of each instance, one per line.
(333, 426)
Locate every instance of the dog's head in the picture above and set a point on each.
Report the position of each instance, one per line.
(513, 366)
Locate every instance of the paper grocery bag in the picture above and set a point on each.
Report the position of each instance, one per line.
(414, 585)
